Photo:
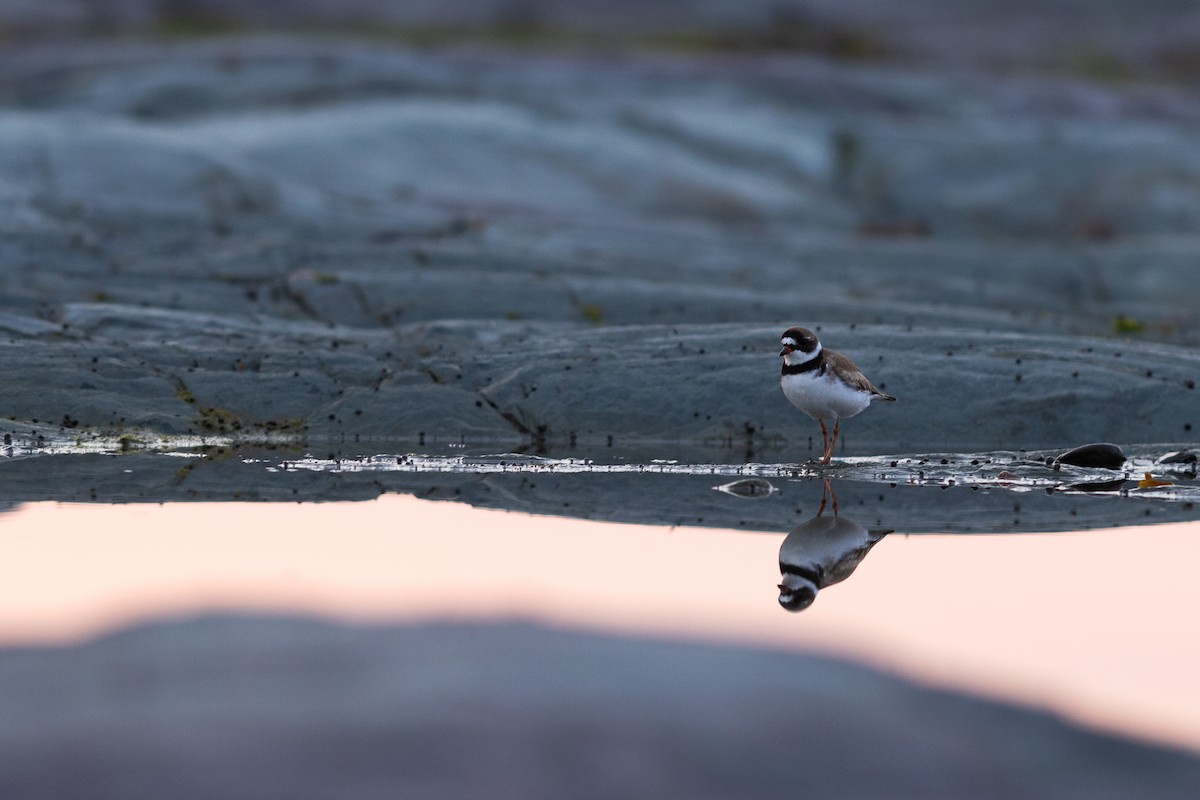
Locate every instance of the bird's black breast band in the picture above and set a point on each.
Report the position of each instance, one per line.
(808, 573)
(807, 366)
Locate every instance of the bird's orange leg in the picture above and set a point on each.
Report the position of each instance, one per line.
(824, 441)
(837, 426)
(828, 493)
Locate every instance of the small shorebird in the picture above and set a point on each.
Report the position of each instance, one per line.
(823, 384)
(821, 552)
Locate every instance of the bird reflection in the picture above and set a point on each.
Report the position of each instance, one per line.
(820, 552)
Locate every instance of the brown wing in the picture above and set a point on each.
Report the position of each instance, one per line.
(851, 374)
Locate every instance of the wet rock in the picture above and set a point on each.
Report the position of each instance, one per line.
(553, 385)
(1185, 462)
(1102, 456)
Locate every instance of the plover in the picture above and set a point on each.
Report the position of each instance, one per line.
(821, 552)
(823, 384)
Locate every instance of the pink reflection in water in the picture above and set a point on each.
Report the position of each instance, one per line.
(1103, 626)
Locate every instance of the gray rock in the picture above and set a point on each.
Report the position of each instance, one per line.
(1105, 456)
(1123, 39)
(638, 194)
(1178, 457)
(545, 385)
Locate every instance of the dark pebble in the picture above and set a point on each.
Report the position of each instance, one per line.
(1104, 456)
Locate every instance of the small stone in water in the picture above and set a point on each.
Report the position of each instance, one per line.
(1104, 456)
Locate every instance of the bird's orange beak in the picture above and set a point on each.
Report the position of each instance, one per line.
(787, 348)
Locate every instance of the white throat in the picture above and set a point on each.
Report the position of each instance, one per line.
(796, 358)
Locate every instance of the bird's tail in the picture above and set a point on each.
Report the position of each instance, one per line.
(883, 396)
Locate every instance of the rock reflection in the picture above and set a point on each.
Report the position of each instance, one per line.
(820, 552)
(752, 487)
(1100, 486)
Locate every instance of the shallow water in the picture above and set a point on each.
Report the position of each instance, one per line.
(1102, 626)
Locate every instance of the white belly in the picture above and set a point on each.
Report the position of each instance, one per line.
(823, 396)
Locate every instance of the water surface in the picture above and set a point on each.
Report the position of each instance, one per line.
(1101, 625)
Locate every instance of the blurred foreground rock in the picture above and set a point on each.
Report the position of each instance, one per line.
(254, 708)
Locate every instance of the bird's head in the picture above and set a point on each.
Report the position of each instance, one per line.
(797, 593)
(798, 340)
